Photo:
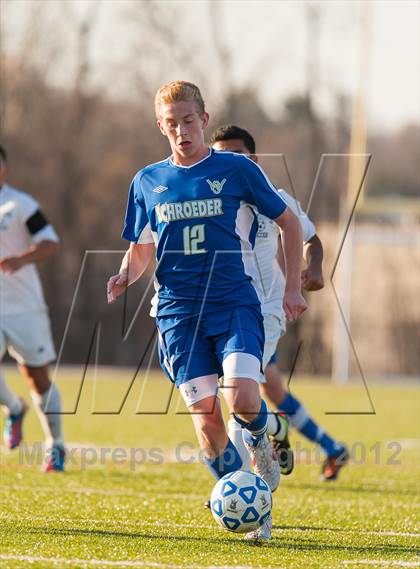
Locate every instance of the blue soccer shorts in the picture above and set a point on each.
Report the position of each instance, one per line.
(196, 346)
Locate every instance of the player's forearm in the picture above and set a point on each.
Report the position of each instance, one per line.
(312, 277)
(292, 248)
(136, 260)
(314, 253)
(39, 252)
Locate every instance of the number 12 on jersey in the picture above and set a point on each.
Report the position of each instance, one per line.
(193, 237)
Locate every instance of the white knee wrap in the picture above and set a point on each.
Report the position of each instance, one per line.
(199, 388)
(241, 365)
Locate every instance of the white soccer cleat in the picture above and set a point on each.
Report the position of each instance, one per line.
(265, 464)
(263, 532)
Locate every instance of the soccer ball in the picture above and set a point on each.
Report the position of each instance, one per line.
(241, 501)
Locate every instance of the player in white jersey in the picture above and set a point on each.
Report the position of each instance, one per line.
(268, 253)
(27, 238)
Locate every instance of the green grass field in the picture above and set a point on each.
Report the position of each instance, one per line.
(106, 511)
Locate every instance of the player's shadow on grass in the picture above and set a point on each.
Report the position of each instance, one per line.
(336, 530)
(130, 534)
(275, 543)
(309, 528)
(356, 489)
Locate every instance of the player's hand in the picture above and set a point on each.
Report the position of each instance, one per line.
(312, 279)
(116, 286)
(294, 304)
(10, 265)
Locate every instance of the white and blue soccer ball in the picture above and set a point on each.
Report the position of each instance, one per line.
(241, 501)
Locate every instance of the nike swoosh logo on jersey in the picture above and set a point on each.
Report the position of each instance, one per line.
(160, 189)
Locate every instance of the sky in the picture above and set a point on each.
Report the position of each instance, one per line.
(268, 45)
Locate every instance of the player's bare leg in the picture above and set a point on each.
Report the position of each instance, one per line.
(243, 398)
(37, 378)
(219, 452)
(273, 389)
(220, 455)
(15, 409)
(209, 426)
(47, 401)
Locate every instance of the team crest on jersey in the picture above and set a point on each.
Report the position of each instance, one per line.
(216, 186)
(159, 189)
(262, 228)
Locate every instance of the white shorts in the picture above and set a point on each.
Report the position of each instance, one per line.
(27, 337)
(274, 329)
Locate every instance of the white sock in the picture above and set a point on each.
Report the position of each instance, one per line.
(275, 427)
(235, 435)
(9, 399)
(48, 407)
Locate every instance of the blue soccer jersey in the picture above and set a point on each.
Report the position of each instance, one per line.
(203, 221)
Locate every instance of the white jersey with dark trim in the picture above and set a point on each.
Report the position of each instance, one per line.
(266, 245)
(21, 224)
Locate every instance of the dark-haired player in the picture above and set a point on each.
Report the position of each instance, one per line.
(235, 139)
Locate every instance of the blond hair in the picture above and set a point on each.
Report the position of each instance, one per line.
(178, 91)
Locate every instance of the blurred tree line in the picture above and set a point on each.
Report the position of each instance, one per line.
(76, 150)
